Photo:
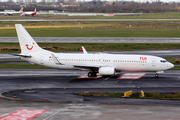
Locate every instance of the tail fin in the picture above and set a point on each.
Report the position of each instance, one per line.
(27, 43)
(21, 10)
(35, 10)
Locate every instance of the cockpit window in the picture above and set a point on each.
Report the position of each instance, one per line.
(163, 61)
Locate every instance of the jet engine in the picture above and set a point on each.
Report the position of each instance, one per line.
(107, 71)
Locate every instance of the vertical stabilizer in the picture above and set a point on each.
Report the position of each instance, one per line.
(35, 10)
(27, 43)
(21, 10)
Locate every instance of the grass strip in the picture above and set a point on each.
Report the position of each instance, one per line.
(22, 66)
(71, 32)
(6, 61)
(173, 59)
(73, 47)
(148, 95)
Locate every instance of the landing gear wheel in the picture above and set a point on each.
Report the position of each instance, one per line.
(92, 74)
(156, 75)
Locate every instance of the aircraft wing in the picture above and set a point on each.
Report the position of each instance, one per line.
(88, 66)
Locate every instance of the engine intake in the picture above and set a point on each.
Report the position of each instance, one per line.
(107, 71)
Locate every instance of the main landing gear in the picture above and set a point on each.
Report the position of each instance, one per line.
(92, 74)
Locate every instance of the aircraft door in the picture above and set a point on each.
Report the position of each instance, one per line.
(153, 62)
(42, 60)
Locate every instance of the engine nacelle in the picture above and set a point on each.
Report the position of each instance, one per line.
(107, 71)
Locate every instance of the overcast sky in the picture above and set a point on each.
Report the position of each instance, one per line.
(119, 0)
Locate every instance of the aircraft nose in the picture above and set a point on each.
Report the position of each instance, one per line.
(170, 65)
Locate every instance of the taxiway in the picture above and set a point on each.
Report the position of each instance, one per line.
(28, 89)
(59, 85)
(32, 87)
(95, 40)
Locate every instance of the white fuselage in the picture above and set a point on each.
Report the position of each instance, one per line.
(9, 12)
(28, 13)
(119, 61)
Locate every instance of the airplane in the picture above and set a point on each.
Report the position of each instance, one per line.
(29, 13)
(11, 12)
(102, 64)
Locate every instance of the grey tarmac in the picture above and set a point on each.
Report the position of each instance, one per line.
(95, 40)
(59, 85)
(92, 111)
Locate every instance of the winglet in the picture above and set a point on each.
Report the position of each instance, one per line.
(84, 50)
(55, 59)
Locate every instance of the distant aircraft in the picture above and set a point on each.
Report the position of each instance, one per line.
(103, 64)
(11, 12)
(29, 13)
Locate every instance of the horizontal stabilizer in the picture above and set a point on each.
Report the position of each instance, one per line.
(22, 55)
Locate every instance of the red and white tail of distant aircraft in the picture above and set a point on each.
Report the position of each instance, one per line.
(11, 12)
(102, 64)
(29, 13)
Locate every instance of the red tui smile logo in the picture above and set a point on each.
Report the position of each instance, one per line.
(30, 47)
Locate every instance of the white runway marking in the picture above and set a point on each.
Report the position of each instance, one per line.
(131, 76)
(23, 114)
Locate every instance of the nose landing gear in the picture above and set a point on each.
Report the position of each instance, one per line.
(156, 75)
